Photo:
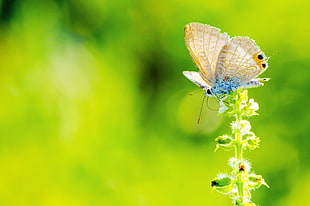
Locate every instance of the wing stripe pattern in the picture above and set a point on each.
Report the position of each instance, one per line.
(204, 44)
(194, 41)
(236, 60)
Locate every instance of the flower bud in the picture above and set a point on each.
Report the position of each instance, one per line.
(223, 184)
(243, 166)
(255, 181)
(224, 141)
(252, 142)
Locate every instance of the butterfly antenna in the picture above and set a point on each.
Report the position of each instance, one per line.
(203, 100)
(274, 53)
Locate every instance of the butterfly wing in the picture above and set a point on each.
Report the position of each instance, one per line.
(204, 44)
(196, 78)
(241, 59)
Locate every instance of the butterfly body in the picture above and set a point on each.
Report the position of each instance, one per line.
(224, 63)
(224, 86)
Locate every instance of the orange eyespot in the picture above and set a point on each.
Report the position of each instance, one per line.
(259, 57)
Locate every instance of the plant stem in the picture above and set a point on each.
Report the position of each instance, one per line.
(241, 181)
(239, 158)
(239, 154)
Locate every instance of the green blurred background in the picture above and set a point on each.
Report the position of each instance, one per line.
(95, 110)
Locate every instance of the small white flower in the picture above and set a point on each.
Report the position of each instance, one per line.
(246, 165)
(253, 105)
(245, 127)
(234, 126)
(232, 162)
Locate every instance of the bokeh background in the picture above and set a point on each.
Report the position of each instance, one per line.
(95, 110)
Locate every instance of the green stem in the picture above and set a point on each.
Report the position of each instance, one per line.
(241, 181)
(239, 156)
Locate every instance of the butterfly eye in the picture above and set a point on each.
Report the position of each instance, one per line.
(208, 91)
(261, 57)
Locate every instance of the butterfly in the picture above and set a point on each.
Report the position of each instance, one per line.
(225, 64)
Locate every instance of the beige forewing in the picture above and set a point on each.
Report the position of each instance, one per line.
(205, 44)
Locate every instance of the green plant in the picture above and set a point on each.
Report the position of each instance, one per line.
(241, 181)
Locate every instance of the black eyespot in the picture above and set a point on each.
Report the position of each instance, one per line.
(208, 91)
(260, 56)
(264, 65)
